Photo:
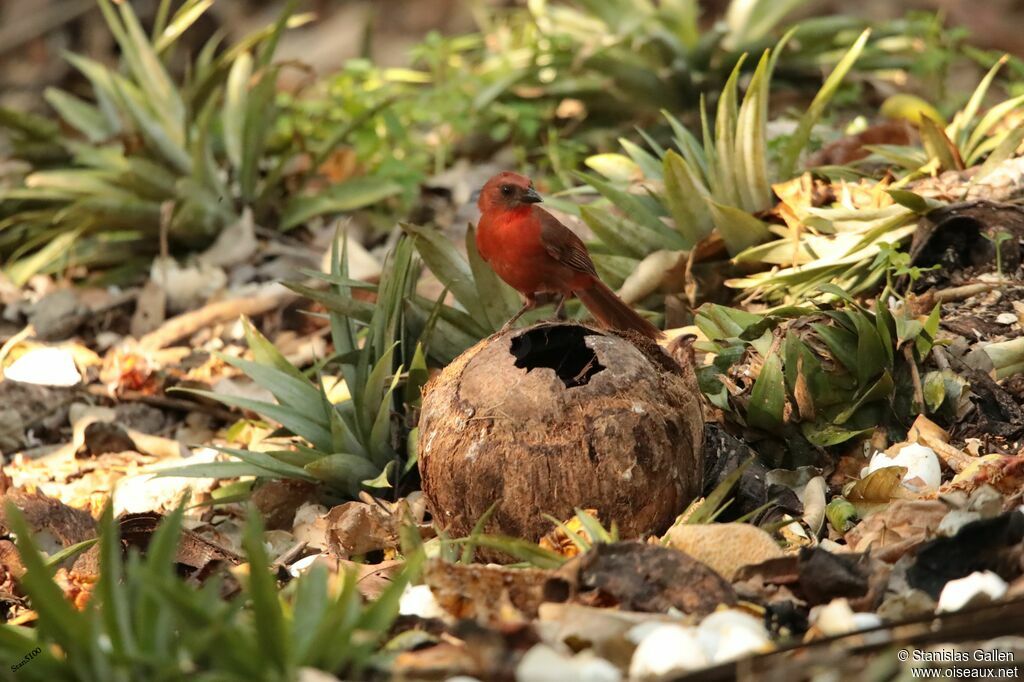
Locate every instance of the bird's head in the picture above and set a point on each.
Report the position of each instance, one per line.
(507, 191)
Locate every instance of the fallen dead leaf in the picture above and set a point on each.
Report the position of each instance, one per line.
(490, 594)
(310, 525)
(373, 579)
(878, 489)
(358, 528)
(559, 542)
(235, 244)
(54, 525)
(852, 147)
(892, 532)
(1003, 472)
(643, 577)
(278, 500)
(443, 661)
(816, 576)
(196, 555)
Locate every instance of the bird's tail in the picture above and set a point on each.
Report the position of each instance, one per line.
(612, 312)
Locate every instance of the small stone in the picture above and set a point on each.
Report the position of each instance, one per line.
(725, 547)
(1006, 318)
(56, 315)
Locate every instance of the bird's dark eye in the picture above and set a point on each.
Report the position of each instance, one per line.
(506, 190)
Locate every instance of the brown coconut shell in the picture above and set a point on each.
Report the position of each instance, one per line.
(555, 417)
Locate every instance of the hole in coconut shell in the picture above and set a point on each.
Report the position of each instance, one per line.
(560, 347)
(955, 242)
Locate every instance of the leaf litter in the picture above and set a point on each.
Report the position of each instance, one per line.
(883, 504)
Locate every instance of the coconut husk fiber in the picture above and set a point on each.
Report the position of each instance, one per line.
(555, 417)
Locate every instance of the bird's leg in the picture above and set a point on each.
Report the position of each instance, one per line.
(530, 304)
(560, 308)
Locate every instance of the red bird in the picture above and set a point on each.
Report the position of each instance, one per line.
(535, 253)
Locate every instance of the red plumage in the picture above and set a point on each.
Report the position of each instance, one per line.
(535, 253)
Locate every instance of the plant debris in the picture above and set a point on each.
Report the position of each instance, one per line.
(262, 415)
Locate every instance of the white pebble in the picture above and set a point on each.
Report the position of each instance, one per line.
(1006, 318)
(980, 586)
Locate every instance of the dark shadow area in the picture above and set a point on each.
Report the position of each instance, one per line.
(560, 347)
(960, 239)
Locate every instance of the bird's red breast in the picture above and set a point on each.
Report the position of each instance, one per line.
(513, 242)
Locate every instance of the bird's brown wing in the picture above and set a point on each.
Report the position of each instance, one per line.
(562, 244)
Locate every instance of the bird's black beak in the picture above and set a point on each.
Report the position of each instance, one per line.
(530, 196)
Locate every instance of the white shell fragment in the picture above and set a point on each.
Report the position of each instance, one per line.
(302, 565)
(667, 649)
(44, 367)
(731, 634)
(837, 618)
(543, 664)
(924, 473)
(419, 600)
(664, 650)
(980, 586)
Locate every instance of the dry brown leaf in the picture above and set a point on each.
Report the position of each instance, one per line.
(278, 500)
(373, 579)
(802, 392)
(643, 577)
(1002, 472)
(557, 540)
(358, 528)
(878, 489)
(195, 553)
(865, 194)
(891, 533)
(805, 191)
(852, 147)
(491, 594)
(442, 661)
(340, 166)
(925, 431)
(54, 525)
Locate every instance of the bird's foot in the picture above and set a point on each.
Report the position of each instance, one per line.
(560, 313)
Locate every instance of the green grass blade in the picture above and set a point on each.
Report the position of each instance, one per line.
(268, 617)
(798, 140)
